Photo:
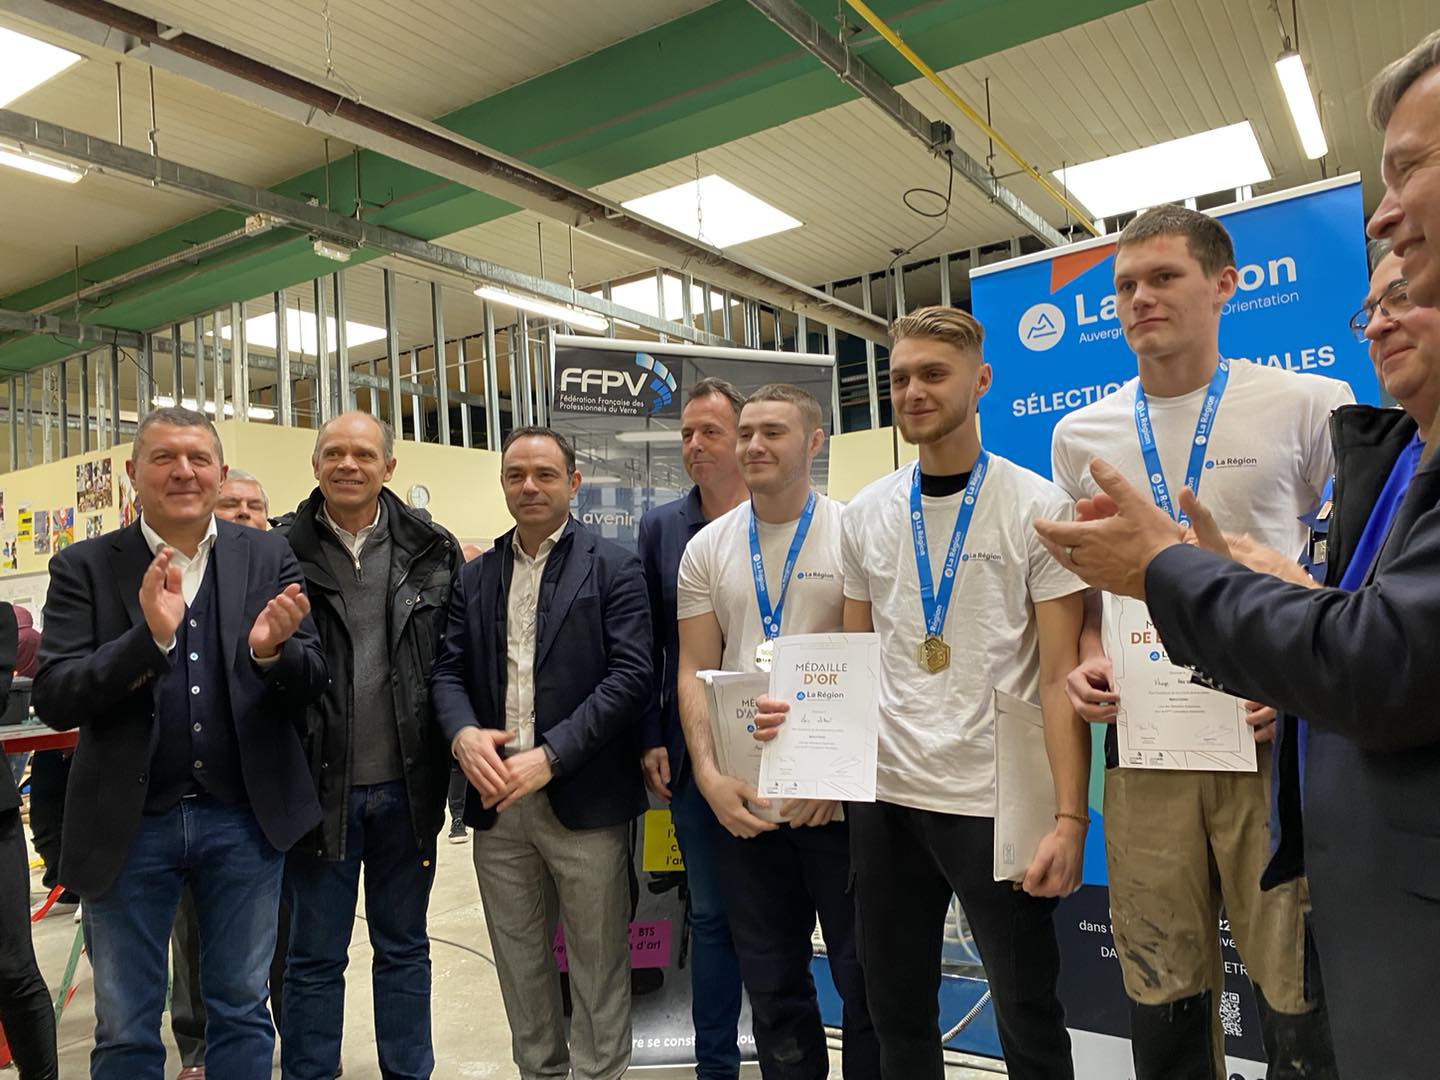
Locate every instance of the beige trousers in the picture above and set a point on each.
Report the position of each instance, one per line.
(1178, 845)
(531, 870)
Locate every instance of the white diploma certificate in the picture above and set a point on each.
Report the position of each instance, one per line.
(732, 697)
(826, 748)
(1165, 720)
(1024, 790)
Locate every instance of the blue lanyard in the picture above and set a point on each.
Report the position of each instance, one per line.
(936, 607)
(770, 618)
(1199, 446)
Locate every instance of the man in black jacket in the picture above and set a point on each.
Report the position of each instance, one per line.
(544, 673)
(25, 1011)
(379, 576)
(182, 649)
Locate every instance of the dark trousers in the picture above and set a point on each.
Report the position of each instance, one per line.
(25, 1009)
(322, 894)
(775, 886)
(187, 1004)
(908, 863)
(455, 797)
(49, 773)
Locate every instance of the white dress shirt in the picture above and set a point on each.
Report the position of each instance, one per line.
(520, 618)
(192, 568)
(354, 543)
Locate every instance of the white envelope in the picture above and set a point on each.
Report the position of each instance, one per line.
(1024, 790)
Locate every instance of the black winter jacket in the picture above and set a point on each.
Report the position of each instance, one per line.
(425, 559)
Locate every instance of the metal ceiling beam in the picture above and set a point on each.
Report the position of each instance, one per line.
(113, 158)
(190, 257)
(937, 136)
(265, 84)
(30, 322)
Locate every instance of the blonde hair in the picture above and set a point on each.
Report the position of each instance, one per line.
(948, 324)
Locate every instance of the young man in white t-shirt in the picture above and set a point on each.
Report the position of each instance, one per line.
(776, 878)
(1179, 843)
(1009, 622)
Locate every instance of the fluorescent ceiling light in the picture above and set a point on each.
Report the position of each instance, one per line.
(640, 295)
(1296, 85)
(1217, 160)
(300, 333)
(332, 249)
(252, 412)
(714, 210)
(602, 480)
(533, 304)
(40, 165)
(655, 436)
(25, 63)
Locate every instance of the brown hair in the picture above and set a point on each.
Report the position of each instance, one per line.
(794, 395)
(1206, 239)
(175, 416)
(948, 324)
(1399, 75)
(719, 387)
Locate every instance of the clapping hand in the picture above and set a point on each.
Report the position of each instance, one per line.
(279, 619)
(162, 600)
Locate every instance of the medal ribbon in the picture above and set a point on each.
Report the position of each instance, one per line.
(936, 608)
(1199, 446)
(770, 619)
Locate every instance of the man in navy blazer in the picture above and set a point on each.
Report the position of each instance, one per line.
(545, 670)
(182, 649)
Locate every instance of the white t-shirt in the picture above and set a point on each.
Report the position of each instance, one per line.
(715, 577)
(1269, 455)
(937, 732)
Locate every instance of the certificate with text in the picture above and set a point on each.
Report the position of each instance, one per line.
(826, 748)
(732, 697)
(1165, 720)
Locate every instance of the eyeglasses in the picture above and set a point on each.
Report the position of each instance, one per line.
(1393, 303)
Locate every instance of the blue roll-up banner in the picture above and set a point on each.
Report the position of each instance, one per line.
(1054, 343)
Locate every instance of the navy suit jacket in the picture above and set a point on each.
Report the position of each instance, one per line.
(664, 532)
(593, 671)
(1362, 669)
(99, 669)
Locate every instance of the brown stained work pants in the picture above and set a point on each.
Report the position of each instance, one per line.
(1177, 845)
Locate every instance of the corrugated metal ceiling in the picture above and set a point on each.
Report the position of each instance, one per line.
(1154, 72)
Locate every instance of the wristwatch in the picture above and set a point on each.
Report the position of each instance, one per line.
(552, 757)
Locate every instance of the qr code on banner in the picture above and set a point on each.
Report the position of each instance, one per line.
(1230, 1014)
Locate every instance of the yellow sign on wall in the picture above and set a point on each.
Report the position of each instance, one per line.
(661, 851)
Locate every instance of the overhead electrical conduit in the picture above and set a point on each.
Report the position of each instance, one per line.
(883, 29)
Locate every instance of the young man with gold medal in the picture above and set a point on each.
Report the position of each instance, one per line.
(1016, 618)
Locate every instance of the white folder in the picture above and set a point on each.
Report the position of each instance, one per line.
(732, 697)
(1024, 790)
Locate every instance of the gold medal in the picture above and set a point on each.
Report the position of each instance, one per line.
(934, 654)
(765, 654)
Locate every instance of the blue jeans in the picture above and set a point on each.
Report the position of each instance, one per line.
(234, 876)
(322, 895)
(714, 969)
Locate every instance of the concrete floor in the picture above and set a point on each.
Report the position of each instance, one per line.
(471, 1037)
